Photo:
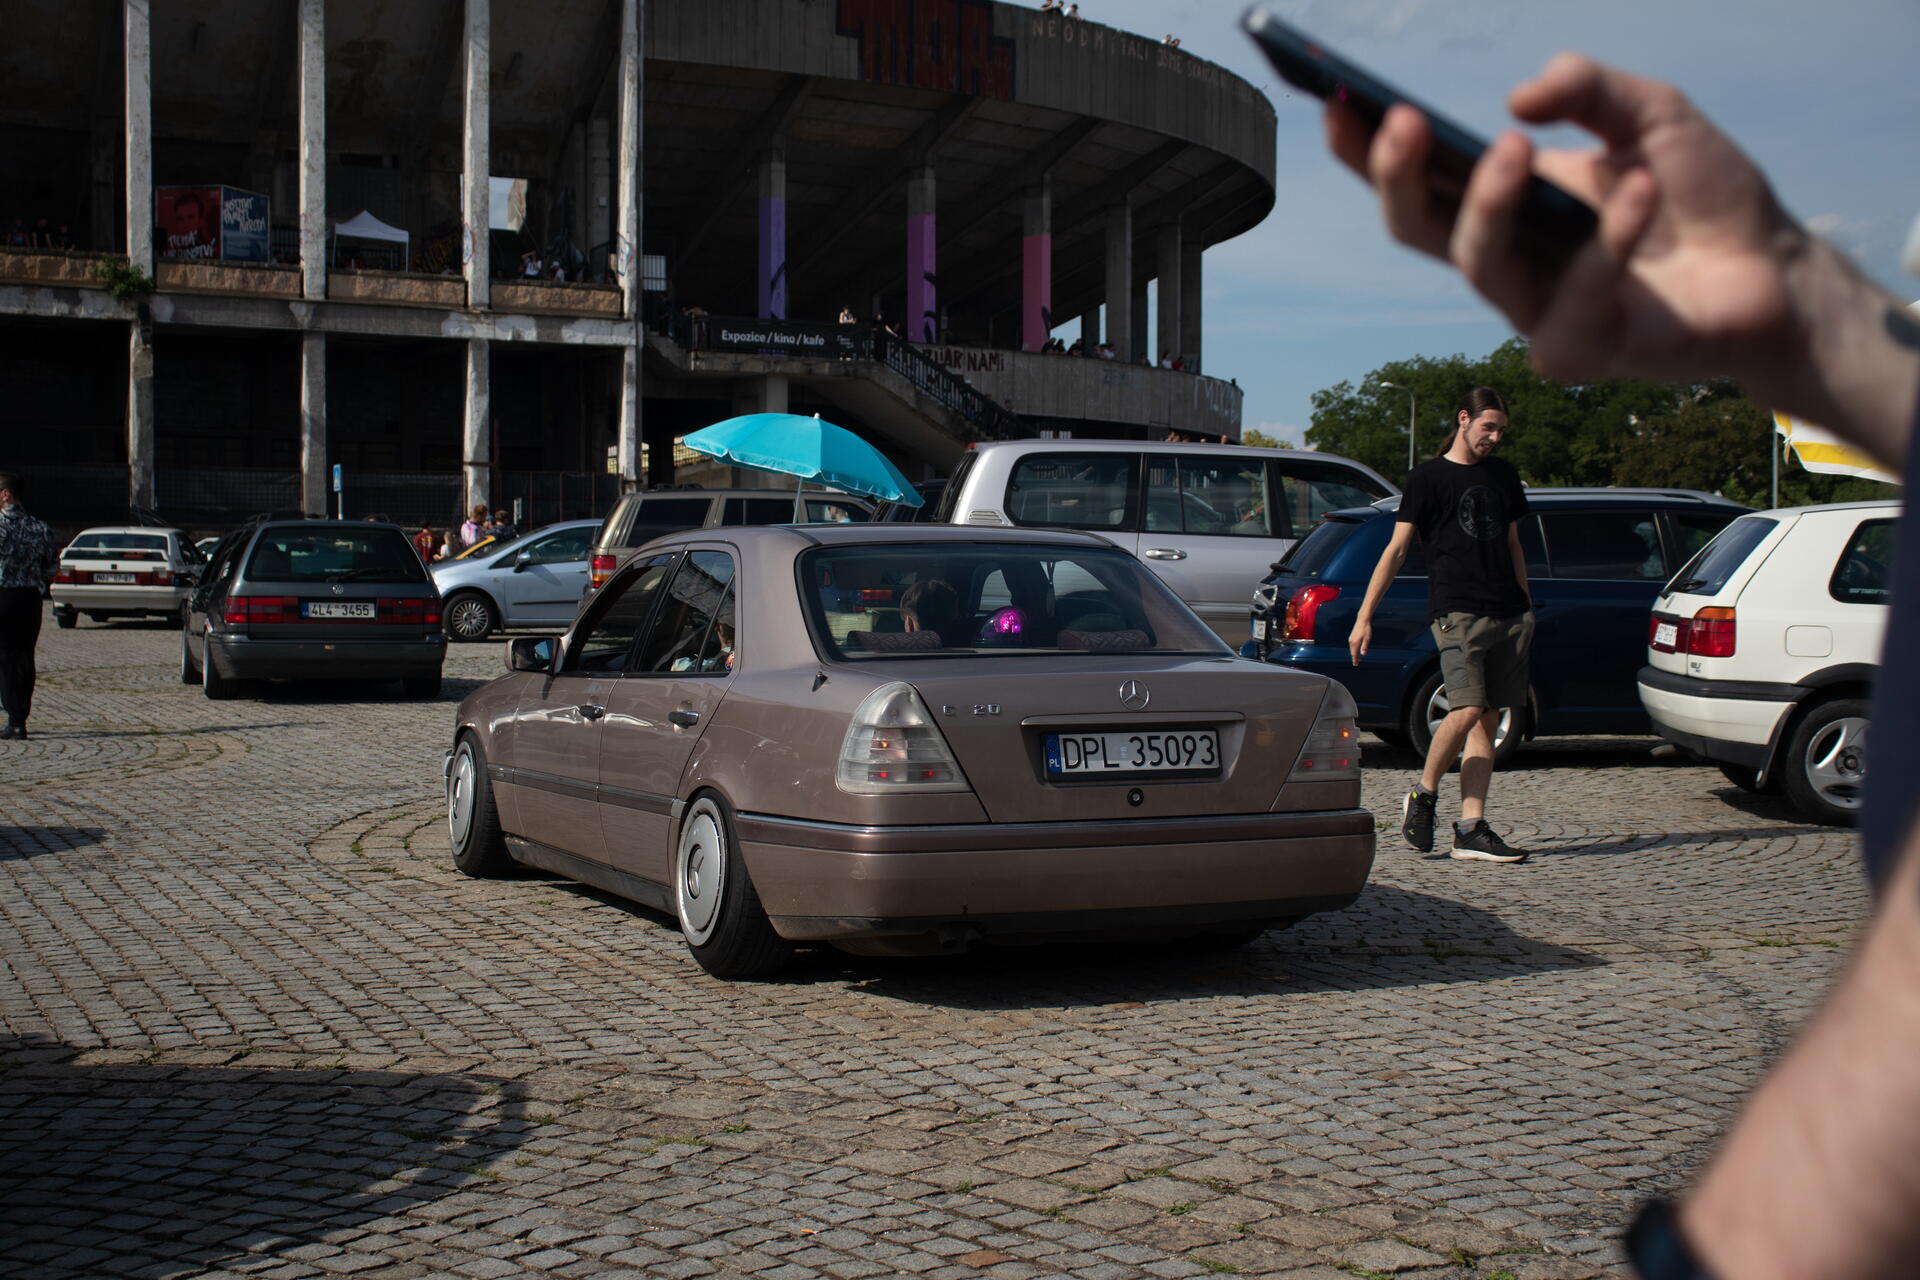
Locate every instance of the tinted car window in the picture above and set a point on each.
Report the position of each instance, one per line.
(1613, 545)
(1308, 490)
(1074, 490)
(959, 600)
(124, 546)
(610, 637)
(305, 554)
(1707, 573)
(654, 516)
(1207, 495)
(1864, 574)
(678, 636)
(1531, 546)
(1309, 557)
(1693, 530)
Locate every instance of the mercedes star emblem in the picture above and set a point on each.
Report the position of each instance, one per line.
(1134, 695)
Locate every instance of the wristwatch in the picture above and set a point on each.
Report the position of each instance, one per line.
(1656, 1248)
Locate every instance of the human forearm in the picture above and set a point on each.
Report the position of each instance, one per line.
(1830, 1141)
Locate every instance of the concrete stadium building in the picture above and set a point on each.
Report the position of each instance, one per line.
(684, 196)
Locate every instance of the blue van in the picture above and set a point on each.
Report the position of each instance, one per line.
(1596, 559)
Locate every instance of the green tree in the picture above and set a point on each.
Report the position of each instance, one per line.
(1261, 440)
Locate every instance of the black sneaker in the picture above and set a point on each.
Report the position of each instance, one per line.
(1416, 819)
(1481, 844)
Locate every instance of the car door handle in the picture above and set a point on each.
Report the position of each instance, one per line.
(685, 719)
(590, 711)
(1165, 553)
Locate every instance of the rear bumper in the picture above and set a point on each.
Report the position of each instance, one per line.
(98, 599)
(824, 881)
(243, 658)
(1721, 720)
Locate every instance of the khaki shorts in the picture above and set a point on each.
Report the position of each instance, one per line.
(1484, 660)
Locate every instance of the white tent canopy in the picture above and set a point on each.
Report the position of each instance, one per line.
(364, 226)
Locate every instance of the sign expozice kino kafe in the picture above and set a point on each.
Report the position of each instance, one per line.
(780, 337)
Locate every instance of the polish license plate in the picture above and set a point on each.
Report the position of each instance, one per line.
(1133, 751)
(337, 609)
(1665, 633)
(114, 579)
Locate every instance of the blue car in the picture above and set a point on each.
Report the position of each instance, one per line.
(1596, 559)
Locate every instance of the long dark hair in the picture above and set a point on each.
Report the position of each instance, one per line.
(1476, 402)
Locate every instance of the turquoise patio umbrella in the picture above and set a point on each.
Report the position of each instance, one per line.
(813, 450)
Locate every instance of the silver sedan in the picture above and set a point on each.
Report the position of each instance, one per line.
(533, 581)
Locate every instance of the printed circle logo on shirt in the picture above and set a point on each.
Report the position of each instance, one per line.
(1480, 513)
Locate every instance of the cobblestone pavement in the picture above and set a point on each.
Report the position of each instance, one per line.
(252, 1022)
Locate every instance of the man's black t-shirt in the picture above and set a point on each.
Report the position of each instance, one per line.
(1462, 515)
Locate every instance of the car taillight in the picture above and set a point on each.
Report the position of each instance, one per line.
(1710, 635)
(1303, 610)
(407, 609)
(241, 610)
(893, 745)
(1332, 748)
(68, 577)
(602, 569)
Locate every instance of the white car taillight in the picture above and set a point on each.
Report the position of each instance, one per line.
(893, 745)
(1332, 749)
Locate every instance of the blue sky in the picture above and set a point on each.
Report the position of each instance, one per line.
(1825, 94)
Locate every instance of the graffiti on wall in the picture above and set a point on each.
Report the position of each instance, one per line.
(930, 44)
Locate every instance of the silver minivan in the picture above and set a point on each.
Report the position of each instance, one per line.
(1208, 519)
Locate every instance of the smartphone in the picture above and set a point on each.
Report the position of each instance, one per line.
(1554, 222)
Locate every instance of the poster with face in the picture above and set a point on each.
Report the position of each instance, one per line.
(189, 221)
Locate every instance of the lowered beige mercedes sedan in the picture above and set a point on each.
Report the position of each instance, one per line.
(907, 740)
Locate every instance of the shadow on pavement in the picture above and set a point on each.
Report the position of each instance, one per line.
(133, 1168)
(30, 842)
(1392, 937)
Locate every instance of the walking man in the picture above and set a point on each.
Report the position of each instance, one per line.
(1464, 506)
(27, 562)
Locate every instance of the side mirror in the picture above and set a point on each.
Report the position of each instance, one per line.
(531, 653)
(522, 560)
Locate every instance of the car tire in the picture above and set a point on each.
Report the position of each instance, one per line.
(1825, 765)
(65, 619)
(1428, 707)
(1745, 777)
(721, 918)
(470, 616)
(421, 687)
(216, 687)
(189, 672)
(97, 618)
(473, 822)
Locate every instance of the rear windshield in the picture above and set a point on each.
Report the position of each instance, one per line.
(946, 600)
(124, 546)
(296, 554)
(1309, 557)
(1707, 573)
(778, 510)
(654, 516)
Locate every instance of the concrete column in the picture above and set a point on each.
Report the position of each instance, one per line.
(140, 486)
(477, 164)
(477, 438)
(314, 496)
(630, 416)
(139, 135)
(1172, 294)
(1036, 267)
(599, 196)
(773, 236)
(922, 321)
(627, 169)
(1120, 281)
(1190, 305)
(1090, 329)
(313, 150)
(139, 184)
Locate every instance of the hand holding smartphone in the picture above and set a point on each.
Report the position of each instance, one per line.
(1553, 221)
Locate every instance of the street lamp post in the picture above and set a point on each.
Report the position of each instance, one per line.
(1409, 390)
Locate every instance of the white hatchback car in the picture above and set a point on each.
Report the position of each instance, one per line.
(1208, 519)
(124, 572)
(1763, 650)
